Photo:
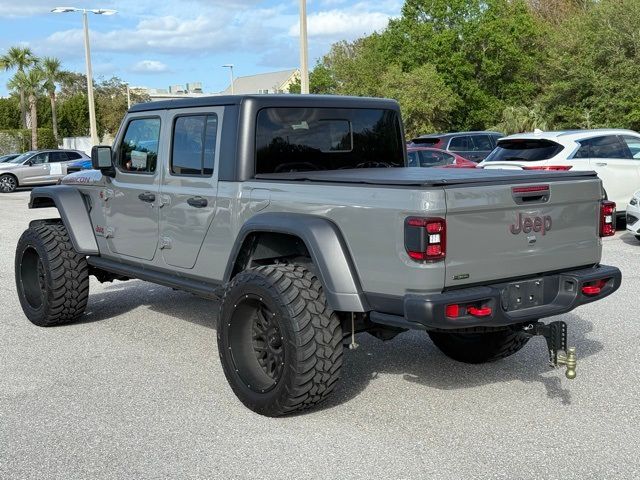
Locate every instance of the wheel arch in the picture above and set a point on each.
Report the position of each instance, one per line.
(72, 207)
(294, 233)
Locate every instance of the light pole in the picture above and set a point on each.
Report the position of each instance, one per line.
(87, 53)
(128, 96)
(230, 67)
(304, 47)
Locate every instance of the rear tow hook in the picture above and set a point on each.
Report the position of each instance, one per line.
(555, 333)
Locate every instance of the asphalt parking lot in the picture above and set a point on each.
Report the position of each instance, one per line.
(135, 390)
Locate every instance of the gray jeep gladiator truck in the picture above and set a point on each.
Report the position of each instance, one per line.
(297, 213)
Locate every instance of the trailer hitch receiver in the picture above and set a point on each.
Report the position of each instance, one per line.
(555, 333)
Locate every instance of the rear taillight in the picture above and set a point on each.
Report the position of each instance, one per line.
(425, 238)
(607, 218)
(559, 168)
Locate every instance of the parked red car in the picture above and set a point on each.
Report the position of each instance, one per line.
(434, 157)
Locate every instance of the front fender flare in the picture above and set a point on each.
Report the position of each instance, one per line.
(73, 211)
(327, 248)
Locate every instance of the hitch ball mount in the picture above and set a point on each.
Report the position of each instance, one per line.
(555, 333)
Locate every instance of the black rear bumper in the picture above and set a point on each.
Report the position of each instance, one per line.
(559, 292)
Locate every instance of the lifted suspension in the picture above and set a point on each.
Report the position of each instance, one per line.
(555, 333)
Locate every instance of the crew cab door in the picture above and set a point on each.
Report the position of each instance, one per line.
(131, 201)
(190, 182)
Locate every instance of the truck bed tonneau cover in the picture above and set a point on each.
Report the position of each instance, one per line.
(425, 177)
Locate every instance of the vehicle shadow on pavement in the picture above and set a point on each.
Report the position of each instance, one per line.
(120, 298)
(416, 358)
(629, 239)
(410, 354)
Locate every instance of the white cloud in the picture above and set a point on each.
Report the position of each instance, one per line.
(149, 66)
(335, 23)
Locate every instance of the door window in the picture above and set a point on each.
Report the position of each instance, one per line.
(55, 157)
(138, 152)
(633, 144)
(483, 143)
(460, 144)
(608, 146)
(40, 158)
(194, 145)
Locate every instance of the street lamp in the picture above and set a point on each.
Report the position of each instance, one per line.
(128, 95)
(87, 53)
(304, 60)
(230, 67)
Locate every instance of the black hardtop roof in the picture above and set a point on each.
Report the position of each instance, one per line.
(268, 100)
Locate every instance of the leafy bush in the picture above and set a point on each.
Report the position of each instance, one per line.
(46, 138)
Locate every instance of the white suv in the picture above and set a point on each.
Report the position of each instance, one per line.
(613, 154)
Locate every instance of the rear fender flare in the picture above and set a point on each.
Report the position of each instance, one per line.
(73, 212)
(326, 247)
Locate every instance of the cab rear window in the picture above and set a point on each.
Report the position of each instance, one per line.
(308, 139)
(524, 150)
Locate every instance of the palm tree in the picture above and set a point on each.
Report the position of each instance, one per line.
(19, 58)
(53, 75)
(30, 83)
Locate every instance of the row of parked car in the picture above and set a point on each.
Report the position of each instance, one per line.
(39, 167)
(613, 153)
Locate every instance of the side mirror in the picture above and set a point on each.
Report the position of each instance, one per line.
(101, 159)
(28, 163)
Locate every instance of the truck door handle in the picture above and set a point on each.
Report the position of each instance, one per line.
(198, 202)
(147, 197)
(601, 164)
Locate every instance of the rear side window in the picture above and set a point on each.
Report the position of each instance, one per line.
(73, 155)
(633, 144)
(194, 145)
(427, 142)
(609, 146)
(461, 144)
(307, 139)
(138, 151)
(430, 158)
(524, 150)
(55, 157)
(483, 143)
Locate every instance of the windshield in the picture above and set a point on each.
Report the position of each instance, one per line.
(21, 158)
(307, 139)
(524, 150)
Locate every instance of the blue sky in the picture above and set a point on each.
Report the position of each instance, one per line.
(157, 43)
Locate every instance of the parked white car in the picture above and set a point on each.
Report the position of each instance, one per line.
(633, 215)
(613, 153)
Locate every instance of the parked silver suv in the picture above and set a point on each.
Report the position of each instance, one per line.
(38, 167)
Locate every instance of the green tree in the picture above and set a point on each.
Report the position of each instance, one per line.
(594, 68)
(30, 83)
(425, 100)
(521, 119)
(111, 103)
(19, 58)
(73, 114)
(53, 75)
(9, 113)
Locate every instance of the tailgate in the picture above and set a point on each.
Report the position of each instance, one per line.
(494, 232)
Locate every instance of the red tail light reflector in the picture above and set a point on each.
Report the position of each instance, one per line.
(555, 168)
(452, 311)
(479, 312)
(607, 218)
(425, 238)
(594, 288)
